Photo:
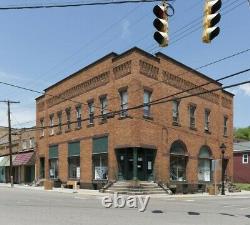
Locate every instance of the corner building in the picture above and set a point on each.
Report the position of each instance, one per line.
(174, 142)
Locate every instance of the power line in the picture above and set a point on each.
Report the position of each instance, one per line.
(44, 6)
(161, 101)
(111, 98)
(195, 28)
(202, 85)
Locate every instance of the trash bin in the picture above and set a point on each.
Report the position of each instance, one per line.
(211, 190)
(48, 185)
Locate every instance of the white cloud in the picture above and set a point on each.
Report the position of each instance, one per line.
(245, 88)
(125, 29)
(19, 115)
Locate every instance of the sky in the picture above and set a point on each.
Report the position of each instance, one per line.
(42, 46)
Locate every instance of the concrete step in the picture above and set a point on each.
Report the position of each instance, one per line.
(141, 188)
(135, 192)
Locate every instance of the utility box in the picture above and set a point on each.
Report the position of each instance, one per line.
(48, 185)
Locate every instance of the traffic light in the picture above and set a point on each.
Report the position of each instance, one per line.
(211, 18)
(161, 24)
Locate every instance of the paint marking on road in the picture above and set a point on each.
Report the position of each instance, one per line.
(80, 198)
(189, 200)
(243, 208)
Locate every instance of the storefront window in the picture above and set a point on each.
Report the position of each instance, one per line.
(53, 168)
(204, 164)
(100, 166)
(178, 161)
(74, 167)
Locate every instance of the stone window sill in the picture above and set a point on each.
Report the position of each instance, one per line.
(91, 125)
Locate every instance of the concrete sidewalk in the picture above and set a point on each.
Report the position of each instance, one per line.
(89, 192)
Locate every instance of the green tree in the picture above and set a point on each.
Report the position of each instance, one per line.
(242, 133)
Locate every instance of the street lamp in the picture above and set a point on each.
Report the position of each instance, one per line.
(223, 149)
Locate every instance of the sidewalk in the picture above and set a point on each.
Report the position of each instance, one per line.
(97, 193)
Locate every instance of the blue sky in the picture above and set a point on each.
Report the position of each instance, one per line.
(40, 47)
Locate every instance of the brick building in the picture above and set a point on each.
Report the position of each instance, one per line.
(23, 158)
(241, 162)
(173, 142)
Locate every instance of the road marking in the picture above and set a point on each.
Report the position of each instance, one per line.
(189, 200)
(80, 198)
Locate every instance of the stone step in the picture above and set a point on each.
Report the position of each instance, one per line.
(136, 192)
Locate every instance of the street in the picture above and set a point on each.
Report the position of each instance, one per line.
(25, 207)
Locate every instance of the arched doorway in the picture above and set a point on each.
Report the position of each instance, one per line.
(178, 161)
(205, 164)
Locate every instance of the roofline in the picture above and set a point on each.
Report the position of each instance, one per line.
(228, 93)
(40, 97)
(112, 54)
(136, 49)
(160, 54)
(239, 151)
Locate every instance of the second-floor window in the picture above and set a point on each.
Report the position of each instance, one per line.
(51, 123)
(79, 116)
(146, 101)
(176, 111)
(91, 112)
(225, 125)
(59, 116)
(24, 145)
(192, 110)
(207, 120)
(104, 106)
(32, 142)
(42, 127)
(124, 103)
(68, 117)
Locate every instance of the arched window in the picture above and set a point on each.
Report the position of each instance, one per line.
(178, 161)
(204, 164)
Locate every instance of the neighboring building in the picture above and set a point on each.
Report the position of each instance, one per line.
(173, 142)
(242, 162)
(23, 158)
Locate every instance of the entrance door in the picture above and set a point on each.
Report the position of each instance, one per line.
(125, 164)
(145, 163)
(42, 168)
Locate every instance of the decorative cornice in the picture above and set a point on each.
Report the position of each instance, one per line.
(122, 70)
(79, 89)
(149, 70)
(183, 84)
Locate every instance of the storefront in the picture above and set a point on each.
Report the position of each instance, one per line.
(74, 161)
(23, 168)
(135, 163)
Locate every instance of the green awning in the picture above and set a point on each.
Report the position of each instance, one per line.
(53, 152)
(100, 145)
(74, 149)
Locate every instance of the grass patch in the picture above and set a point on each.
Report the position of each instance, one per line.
(245, 187)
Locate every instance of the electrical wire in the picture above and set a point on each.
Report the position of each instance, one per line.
(44, 6)
(159, 101)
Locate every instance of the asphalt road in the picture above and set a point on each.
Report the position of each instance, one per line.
(32, 207)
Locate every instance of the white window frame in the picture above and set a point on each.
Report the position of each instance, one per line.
(175, 111)
(245, 160)
(207, 120)
(124, 102)
(146, 100)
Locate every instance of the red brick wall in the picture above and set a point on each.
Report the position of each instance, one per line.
(241, 171)
(137, 131)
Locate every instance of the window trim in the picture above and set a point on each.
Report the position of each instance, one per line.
(192, 119)
(146, 106)
(207, 127)
(243, 158)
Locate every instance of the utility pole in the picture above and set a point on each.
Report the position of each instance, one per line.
(10, 140)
